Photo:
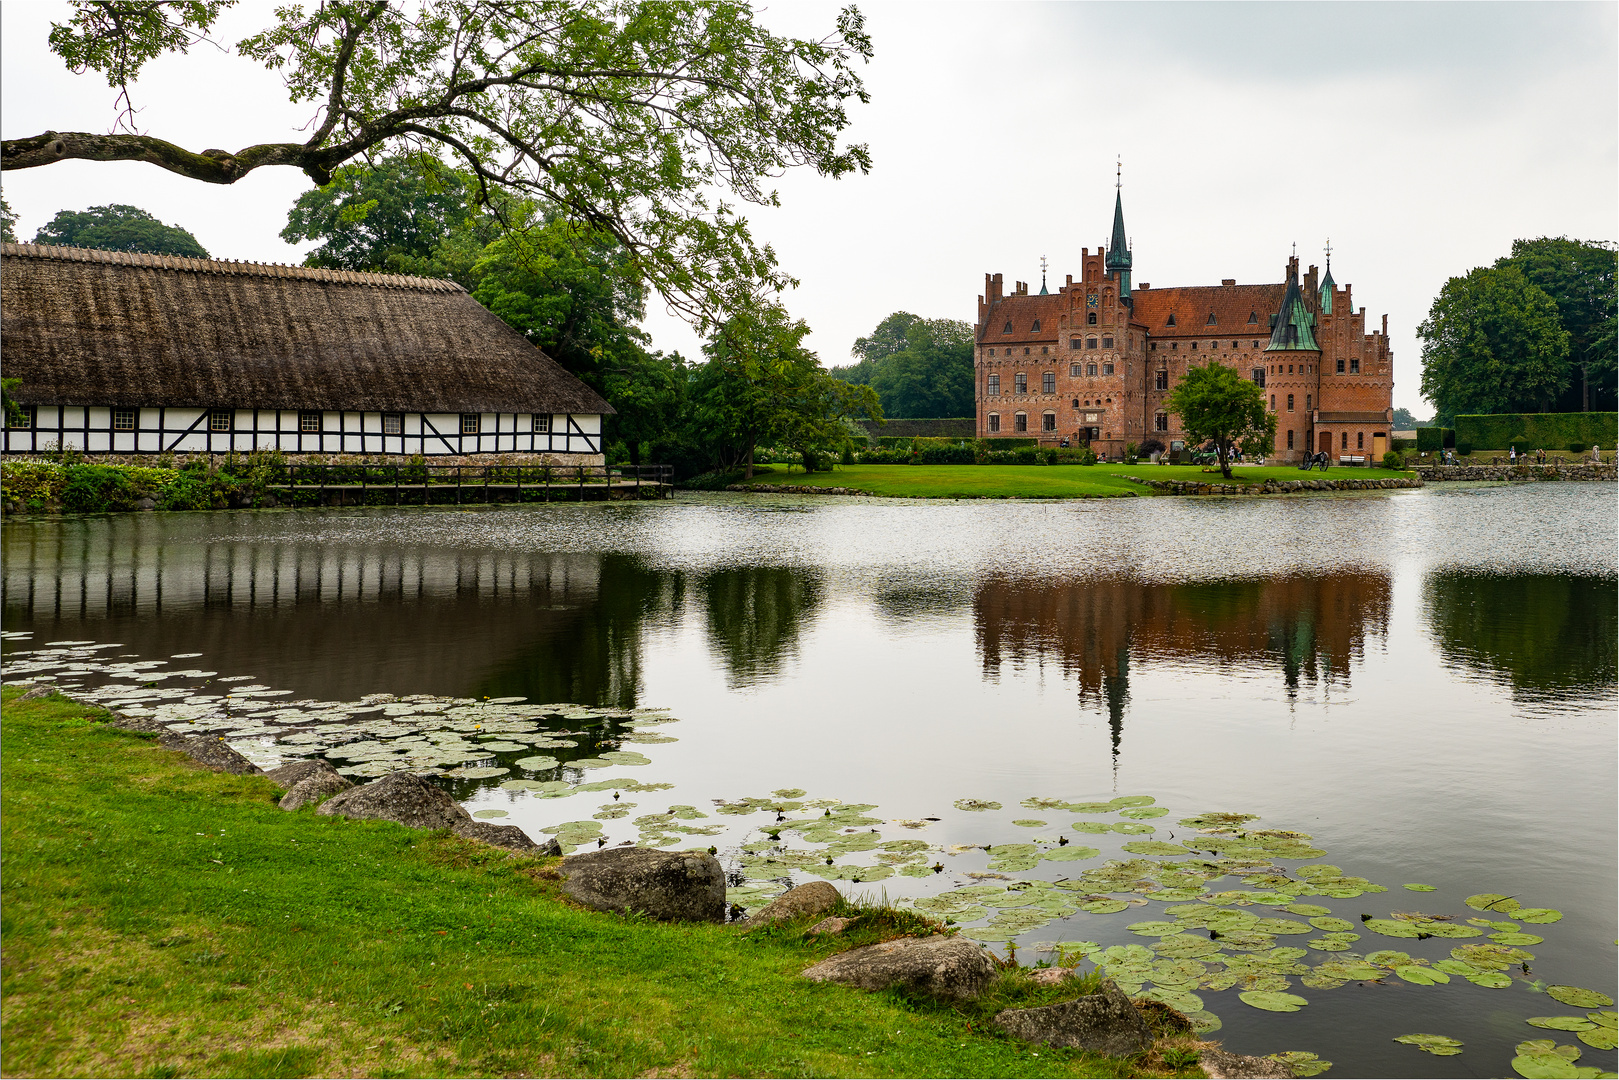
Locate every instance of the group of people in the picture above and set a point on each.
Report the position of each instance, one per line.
(1515, 458)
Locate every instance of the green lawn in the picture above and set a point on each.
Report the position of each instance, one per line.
(160, 920)
(1032, 481)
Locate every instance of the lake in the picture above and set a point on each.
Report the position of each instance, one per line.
(1422, 683)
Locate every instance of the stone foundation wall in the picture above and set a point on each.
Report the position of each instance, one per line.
(1274, 487)
(1436, 473)
(178, 460)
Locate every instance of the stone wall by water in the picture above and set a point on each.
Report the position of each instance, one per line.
(1274, 487)
(1561, 471)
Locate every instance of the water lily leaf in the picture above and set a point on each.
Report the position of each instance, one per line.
(1155, 928)
(1537, 915)
(1324, 922)
(1028, 823)
(1132, 800)
(1491, 957)
(1154, 847)
(1578, 998)
(482, 772)
(1392, 928)
(1215, 819)
(1183, 1001)
(1495, 980)
(1279, 926)
(499, 747)
(1334, 944)
(1308, 910)
(1103, 907)
(976, 805)
(1421, 976)
(1389, 958)
(1414, 887)
(1491, 902)
(1607, 1018)
(1560, 1023)
(1455, 967)
(1091, 826)
(1439, 1045)
(1089, 807)
(1130, 828)
(1072, 853)
(1301, 1062)
(1599, 1038)
(789, 793)
(1548, 1046)
(1541, 1059)
(1144, 812)
(1517, 939)
(985, 933)
(489, 813)
(1273, 1000)
(537, 763)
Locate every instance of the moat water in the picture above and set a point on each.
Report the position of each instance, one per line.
(1424, 682)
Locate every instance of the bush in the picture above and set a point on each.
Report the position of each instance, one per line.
(1464, 449)
(1151, 447)
(97, 489)
(191, 490)
(1538, 429)
(1430, 439)
(946, 455)
(886, 457)
(848, 454)
(1577, 447)
(1391, 460)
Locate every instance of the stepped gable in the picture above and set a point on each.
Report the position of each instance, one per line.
(1191, 305)
(126, 329)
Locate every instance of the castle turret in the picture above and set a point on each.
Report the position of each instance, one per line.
(1327, 285)
(1118, 249)
(1294, 328)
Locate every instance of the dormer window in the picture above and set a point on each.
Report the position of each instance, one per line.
(1253, 316)
(1008, 329)
(1212, 319)
(1035, 329)
(1171, 321)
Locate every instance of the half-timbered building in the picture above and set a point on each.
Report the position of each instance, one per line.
(120, 352)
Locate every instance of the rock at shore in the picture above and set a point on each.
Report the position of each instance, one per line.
(1220, 1065)
(289, 775)
(684, 886)
(944, 967)
(402, 797)
(1104, 1023)
(314, 787)
(509, 837)
(816, 898)
(211, 752)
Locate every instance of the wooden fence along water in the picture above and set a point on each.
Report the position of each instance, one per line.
(435, 485)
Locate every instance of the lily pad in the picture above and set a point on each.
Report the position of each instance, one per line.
(536, 763)
(1028, 823)
(1417, 887)
(1537, 915)
(976, 805)
(1560, 1023)
(1131, 828)
(1154, 847)
(1215, 819)
(1494, 980)
(1578, 998)
(1072, 853)
(1144, 812)
(1438, 1045)
(1301, 1062)
(1308, 910)
(1273, 1000)
(1103, 907)
(1392, 928)
(489, 813)
(1517, 939)
(1543, 1059)
(1155, 928)
(1091, 827)
(1491, 902)
(1421, 976)
(1326, 922)
(1599, 1038)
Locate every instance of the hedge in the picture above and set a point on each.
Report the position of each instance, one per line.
(1009, 443)
(1535, 431)
(1435, 438)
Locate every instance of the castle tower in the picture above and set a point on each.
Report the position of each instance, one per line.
(1294, 359)
(1119, 257)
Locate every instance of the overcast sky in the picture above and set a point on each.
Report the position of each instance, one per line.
(1421, 138)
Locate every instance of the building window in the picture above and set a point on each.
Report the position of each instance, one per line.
(1161, 379)
(1008, 329)
(1107, 367)
(1153, 347)
(1160, 422)
(1290, 403)
(1048, 422)
(1212, 320)
(1107, 342)
(393, 423)
(1256, 344)
(123, 419)
(1354, 365)
(219, 419)
(1090, 343)
(1345, 444)
(542, 424)
(309, 422)
(1048, 383)
(993, 388)
(1044, 349)
(1307, 405)
(1020, 383)
(470, 423)
(1020, 422)
(1171, 321)
(1173, 345)
(1194, 345)
(1090, 318)
(1073, 343)
(30, 416)
(1035, 329)
(994, 421)
(1235, 345)
(1258, 376)
(1290, 438)
(1073, 371)
(1340, 365)
(1025, 350)
(1253, 316)
(1273, 403)
(1360, 440)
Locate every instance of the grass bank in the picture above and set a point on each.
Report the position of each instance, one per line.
(160, 920)
(1035, 481)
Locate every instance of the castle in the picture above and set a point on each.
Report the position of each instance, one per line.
(1095, 361)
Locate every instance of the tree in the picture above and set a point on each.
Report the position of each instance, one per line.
(1214, 402)
(8, 223)
(118, 228)
(918, 367)
(626, 115)
(1579, 275)
(1404, 421)
(1492, 343)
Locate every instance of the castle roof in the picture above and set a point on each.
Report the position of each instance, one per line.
(81, 326)
(1023, 311)
(1295, 326)
(1118, 248)
(1233, 306)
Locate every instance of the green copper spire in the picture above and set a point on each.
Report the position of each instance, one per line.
(1327, 284)
(1118, 249)
(1294, 329)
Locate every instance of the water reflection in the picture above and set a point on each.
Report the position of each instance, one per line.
(1550, 637)
(1308, 629)
(755, 616)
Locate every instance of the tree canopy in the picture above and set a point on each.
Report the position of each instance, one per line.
(918, 367)
(8, 223)
(638, 118)
(1579, 275)
(388, 217)
(118, 228)
(1214, 402)
(1405, 421)
(1493, 342)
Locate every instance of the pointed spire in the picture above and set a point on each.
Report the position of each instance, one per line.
(1118, 251)
(1295, 327)
(1327, 284)
(1043, 290)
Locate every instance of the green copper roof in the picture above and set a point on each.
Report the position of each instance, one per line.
(1118, 249)
(1295, 326)
(1327, 285)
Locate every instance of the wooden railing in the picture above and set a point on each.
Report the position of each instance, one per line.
(478, 483)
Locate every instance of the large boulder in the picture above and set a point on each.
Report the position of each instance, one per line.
(403, 797)
(209, 751)
(502, 836)
(945, 967)
(816, 898)
(1220, 1065)
(288, 775)
(672, 885)
(313, 788)
(1104, 1023)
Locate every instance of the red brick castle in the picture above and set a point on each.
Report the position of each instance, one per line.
(1094, 361)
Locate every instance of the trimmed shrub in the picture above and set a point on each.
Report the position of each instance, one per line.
(1538, 430)
(945, 455)
(1391, 460)
(885, 457)
(1009, 443)
(97, 489)
(1464, 449)
(1578, 447)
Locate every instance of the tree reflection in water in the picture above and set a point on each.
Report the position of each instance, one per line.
(755, 617)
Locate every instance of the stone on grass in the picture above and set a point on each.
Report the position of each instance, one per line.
(285, 776)
(816, 898)
(401, 797)
(313, 788)
(502, 836)
(1220, 1065)
(38, 691)
(830, 925)
(945, 967)
(1051, 976)
(211, 752)
(669, 885)
(1104, 1023)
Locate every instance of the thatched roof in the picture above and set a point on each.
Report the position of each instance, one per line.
(85, 327)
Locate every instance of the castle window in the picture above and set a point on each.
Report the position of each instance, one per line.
(1290, 438)
(219, 419)
(1073, 371)
(1273, 403)
(1090, 318)
(123, 419)
(1253, 316)
(1161, 379)
(1107, 343)
(1090, 369)
(1354, 365)
(1048, 383)
(994, 421)
(1035, 329)
(470, 423)
(1194, 344)
(1340, 365)
(1360, 440)
(1173, 345)
(1044, 349)
(1290, 369)
(1256, 344)
(1073, 343)
(1107, 367)
(1212, 320)
(1020, 383)
(1171, 321)
(1008, 329)
(1020, 422)
(1345, 444)
(994, 385)
(308, 422)
(1307, 405)
(1048, 422)
(1090, 343)
(1234, 345)
(1290, 403)
(1160, 422)
(1025, 350)
(1258, 376)
(394, 423)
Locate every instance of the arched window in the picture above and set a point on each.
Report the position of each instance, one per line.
(1073, 371)
(1090, 343)
(1048, 422)
(1107, 367)
(1073, 343)
(1273, 403)
(1290, 438)
(1345, 444)
(1160, 422)
(1020, 383)
(1354, 365)
(1161, 379)
(1025, 350)
(1360, 440)
(1090, 317)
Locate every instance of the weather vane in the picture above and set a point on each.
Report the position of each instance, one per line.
(1329, 253)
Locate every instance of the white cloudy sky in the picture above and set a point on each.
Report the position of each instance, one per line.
(1421, 138)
